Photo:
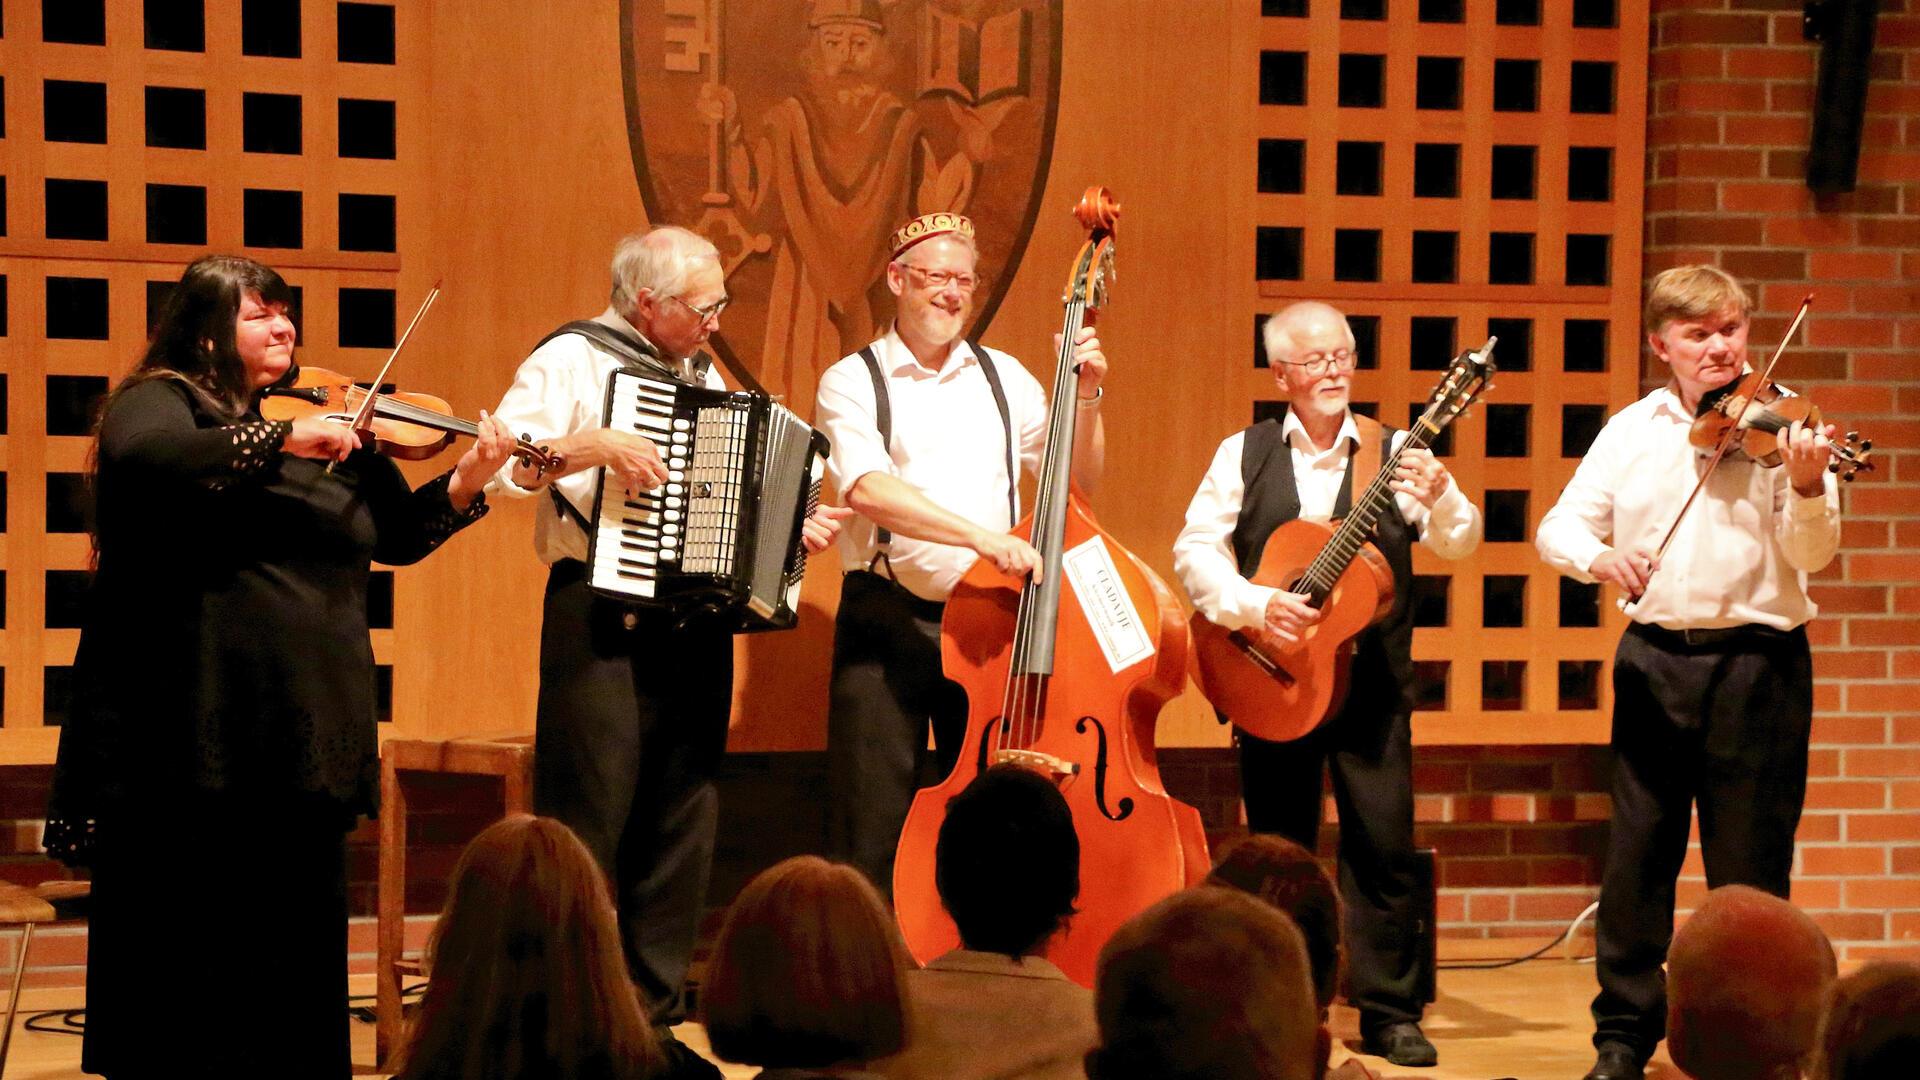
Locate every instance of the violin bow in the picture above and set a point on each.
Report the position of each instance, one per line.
(363, 416)
(1726, 442)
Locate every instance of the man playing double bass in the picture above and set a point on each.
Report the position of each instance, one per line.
(1301, 466)
(930, 432)
(1713, 680)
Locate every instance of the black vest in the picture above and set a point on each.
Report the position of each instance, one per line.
(1272, 499)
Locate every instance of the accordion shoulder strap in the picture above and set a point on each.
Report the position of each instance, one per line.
(883, 420)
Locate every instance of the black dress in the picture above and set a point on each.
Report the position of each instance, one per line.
(223, 740)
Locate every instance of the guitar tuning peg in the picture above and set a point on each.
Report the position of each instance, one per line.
(1853, 436)
(1866, 444)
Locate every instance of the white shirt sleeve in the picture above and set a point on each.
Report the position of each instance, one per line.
(1203, 555)
(843, 409)
(1452, 529)
(1574, 532)
(1808, 530)
(541, 405)
(1026, 410)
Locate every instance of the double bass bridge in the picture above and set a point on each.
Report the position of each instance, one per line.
(1047, 764)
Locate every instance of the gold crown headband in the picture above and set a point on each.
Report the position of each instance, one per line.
(928, 226)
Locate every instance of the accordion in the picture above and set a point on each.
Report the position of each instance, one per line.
(722, 535)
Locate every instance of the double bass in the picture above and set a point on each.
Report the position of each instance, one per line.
(1066, 676)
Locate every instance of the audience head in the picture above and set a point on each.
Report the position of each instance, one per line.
(1747, 975)
(1007, 863)
(1286, 875)
(528, 974)
(1872, 1027)
(1209, 983)
(807, 971)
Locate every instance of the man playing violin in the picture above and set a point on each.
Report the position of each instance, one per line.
(1302, 466)
(633, 708)
(930, 432)
(1713, 680)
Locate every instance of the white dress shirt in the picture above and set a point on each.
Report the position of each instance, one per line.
(1741, 555)
(1203, 553)
(560, 389)
(947, 442)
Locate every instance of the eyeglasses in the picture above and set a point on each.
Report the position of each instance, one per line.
(1319, 364)
(710, 312)
(940, 279)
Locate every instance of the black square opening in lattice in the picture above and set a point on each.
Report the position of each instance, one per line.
(1366, 340)
(3, 594)
(1595, 14)
(1579, 685)
(1503, 600)
(366, 128)
(157, 294)
(1442, 444)
(3, 106)
(1589, 258)
(383, 693)
(1514, 352)
(1282, 166)
(366, 33)
(56, 694)
(1583, 345)
(1269, 410)
(366, 318)
(1590, 87)
(1506, 517)
(1431, 341)
(270, 123)
(1503, 685)
(1517, 12)
(176, 214)
(76, 209)
(1363, 80)
(73, 22)
(74, 112)
(176, 117)
(176, 25)
(1430, 685)
(271, 219)
(1363, 10)
(1356, 254)
(1260, 340)
(1358, 167)
(69, 503)
(380, 600)
(1436, 256)
(1510, 258)
(367, 222)
(1430, 599)
(270, 28)
(1507, 430)
(66, 599)
(3, 408)
(1368, 409)
(1579, 426)
(1283, 77)
(1579, 603)
(3, 529)
(1514, 172)
(1437, 82)
(3, 211)
(77, 308)
(73, 403)
(1436, 170)
(1443, 11)
(1290, 9)
(1277, 252)
(1516, 85)
(1589, 173)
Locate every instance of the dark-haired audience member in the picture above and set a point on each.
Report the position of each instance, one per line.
(529, 981)
(1007, 865)
(1872, 1028)
(1747, 976)
(807, 977)
(1208, 984)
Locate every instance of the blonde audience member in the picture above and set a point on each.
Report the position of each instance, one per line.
(1747, 975)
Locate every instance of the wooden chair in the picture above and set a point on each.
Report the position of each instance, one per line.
(509, 757)
(20, 907)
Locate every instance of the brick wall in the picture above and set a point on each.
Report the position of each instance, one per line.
(1730, 98)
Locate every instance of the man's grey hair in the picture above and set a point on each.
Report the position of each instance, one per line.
(659, 260)
(1277, 331)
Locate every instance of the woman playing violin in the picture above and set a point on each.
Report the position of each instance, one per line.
(1713, 680)
(223, 742)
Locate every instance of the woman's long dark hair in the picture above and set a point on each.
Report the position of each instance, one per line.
(193, 339)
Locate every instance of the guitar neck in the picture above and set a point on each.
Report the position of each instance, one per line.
(1352, 534)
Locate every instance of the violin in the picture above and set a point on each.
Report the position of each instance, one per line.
(408, 426)
(1751, 411)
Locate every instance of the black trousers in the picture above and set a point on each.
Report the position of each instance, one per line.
(1367, 748)
(886, 690)
(1722, 724)
(631, 726)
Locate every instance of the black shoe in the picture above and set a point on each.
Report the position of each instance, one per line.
(1617, 1061)
(1401, 1043)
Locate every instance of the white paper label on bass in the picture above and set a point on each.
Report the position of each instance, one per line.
(1109, 610)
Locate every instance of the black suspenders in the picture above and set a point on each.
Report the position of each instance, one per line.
(883, 419)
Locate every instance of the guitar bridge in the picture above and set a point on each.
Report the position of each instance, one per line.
(1261, 660)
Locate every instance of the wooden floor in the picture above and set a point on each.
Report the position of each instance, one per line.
(1527, 1022)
